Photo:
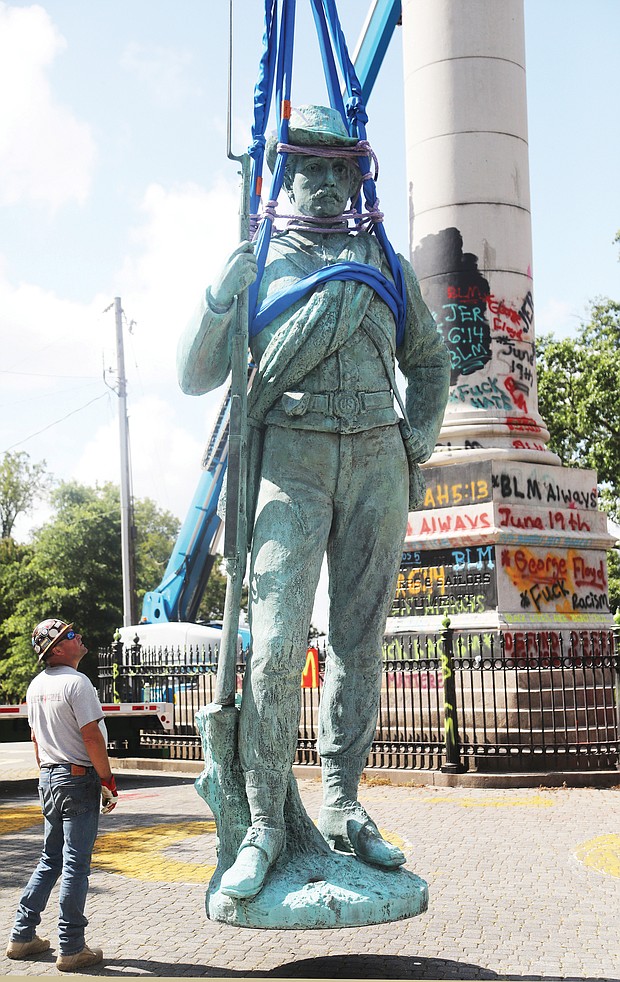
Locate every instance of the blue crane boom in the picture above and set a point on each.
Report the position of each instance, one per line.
(178, 596)
(373, 42)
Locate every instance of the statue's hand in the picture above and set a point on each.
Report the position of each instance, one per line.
(417, 445)
(238, 273)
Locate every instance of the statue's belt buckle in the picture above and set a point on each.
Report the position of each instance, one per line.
(346, 405)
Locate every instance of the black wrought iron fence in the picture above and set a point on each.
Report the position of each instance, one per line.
(507, 700)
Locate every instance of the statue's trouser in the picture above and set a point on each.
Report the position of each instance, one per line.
(345, 495)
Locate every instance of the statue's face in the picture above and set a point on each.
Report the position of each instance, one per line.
(322, 186)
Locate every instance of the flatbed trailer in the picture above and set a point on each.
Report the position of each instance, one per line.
(123, 720)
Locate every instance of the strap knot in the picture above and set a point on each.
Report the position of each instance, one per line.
(257, 146)
(356, 111)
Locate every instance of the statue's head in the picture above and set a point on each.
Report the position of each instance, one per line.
(318, 186)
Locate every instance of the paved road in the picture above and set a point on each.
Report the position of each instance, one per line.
(524, 884)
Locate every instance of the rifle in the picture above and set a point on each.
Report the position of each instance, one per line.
(235, 528)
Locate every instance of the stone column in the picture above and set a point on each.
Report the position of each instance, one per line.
(467, 159)
(507, 537)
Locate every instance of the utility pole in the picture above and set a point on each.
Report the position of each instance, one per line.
(127, 526)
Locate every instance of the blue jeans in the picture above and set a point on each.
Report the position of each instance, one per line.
(70, 806)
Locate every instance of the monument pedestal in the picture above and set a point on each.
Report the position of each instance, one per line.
(323, 890)
(309, 886)
(505, 544)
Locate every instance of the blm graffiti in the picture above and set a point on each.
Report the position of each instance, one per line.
(481, 330)
(446, 581)
(457, 299)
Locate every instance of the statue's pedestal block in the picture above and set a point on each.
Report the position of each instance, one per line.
(505, 544)
(324, 891)
(310, 886)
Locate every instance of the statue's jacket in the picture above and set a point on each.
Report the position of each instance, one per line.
(323, 363)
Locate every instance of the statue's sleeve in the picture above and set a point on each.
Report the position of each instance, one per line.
(203, 352)
(424, 360)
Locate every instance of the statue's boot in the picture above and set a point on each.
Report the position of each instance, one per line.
(264, 840)
(345, 824)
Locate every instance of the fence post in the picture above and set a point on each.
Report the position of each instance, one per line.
(117, 660)
(453, 764)
(616, 676)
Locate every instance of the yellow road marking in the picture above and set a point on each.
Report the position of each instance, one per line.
(139, 853)
(142, 853)
(536, 801)
(393, 838)
(601, 854)
(17, 819)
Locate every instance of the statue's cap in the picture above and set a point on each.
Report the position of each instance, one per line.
(312, 126)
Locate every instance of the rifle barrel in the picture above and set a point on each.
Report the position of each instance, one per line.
(235, 528)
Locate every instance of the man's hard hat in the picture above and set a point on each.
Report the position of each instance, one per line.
(47, 634)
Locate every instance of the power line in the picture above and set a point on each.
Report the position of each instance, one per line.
(56, 421)
(44, 374)
(47, 397)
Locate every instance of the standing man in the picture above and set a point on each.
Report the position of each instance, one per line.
(70, 740)
(328, 473)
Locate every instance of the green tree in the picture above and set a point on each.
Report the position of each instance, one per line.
(578, 397)
(73, 569)
(21, 484)
(15, 585)
(212, 604)
(156, 533)
(578, 386)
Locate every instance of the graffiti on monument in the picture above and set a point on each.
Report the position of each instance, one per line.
(456, 298)
(466, 522)
(547, 520)
(512, 484)
(446, 581)
(468, 484)
(477, 326)
(517, 358)
(515, 484)
(485, 394)
(559, 580)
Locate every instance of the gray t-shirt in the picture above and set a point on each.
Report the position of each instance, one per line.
(60, 702)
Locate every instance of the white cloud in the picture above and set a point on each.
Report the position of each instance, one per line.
(58, 349)
(165, 456)
(46, 154)
(50, 338)
(162, 70)
(186, 235)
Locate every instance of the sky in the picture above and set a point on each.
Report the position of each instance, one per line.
(114, 181)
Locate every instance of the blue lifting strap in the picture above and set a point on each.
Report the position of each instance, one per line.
(278, 302)
(277, 60)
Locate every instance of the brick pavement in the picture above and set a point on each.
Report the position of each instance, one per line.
(524, 884)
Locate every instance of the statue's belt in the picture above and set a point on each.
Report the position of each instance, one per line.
(341, 404)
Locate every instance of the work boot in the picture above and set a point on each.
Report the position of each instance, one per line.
(26, 949)
(257, 854)
(344, 823)
(349, 828)
(265, 789)
(80, 959)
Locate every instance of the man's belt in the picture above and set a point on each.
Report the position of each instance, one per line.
(342, 404)
(77, 770)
